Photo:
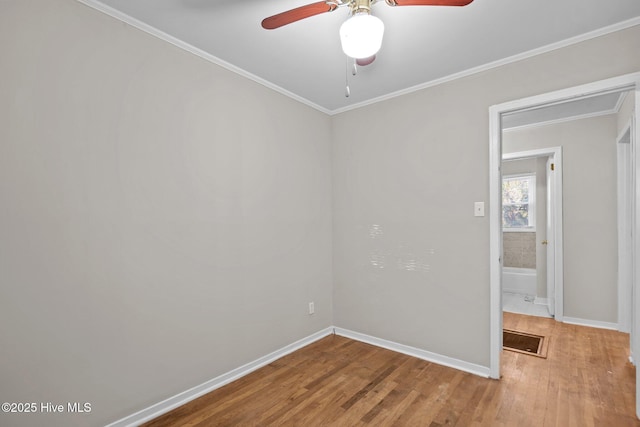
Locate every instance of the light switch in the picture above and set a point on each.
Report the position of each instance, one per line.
(478, 209)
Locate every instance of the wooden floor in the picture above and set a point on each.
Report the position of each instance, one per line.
(586, 380)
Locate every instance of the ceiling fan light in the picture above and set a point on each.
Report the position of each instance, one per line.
(361, 35)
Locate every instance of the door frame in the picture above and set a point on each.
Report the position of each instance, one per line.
(555, 274)
(616, 84)
(626, 251)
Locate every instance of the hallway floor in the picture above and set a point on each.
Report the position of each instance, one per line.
(523, 304)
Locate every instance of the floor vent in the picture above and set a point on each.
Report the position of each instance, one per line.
(522, 342)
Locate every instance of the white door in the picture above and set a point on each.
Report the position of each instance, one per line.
(551, 241)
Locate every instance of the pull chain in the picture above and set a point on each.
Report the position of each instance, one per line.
(347, 91)
(354, 71)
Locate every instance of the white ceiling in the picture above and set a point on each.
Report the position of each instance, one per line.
(421, 45)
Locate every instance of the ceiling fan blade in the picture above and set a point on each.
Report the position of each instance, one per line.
(293, 15)
(429, 2)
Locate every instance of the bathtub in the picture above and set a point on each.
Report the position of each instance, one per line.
(519, 280)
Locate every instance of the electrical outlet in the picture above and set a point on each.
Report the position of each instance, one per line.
(312, 308)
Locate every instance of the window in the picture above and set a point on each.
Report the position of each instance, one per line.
(518, 202)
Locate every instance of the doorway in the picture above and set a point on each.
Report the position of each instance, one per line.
(629, 82)
(543, 234)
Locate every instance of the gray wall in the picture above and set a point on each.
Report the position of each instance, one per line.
(415, 172)
(589, 210)
(161, 222)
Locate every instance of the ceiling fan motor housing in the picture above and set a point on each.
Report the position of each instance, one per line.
(360, 6)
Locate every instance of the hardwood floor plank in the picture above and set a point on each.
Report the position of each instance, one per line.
(366, 389)
(391, 407)
(586, 380)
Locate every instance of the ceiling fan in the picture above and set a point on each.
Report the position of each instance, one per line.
(361, 34)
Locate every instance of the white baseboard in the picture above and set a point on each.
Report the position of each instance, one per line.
(461, 365)
(541, 301)
(179, 399)
(590, 323)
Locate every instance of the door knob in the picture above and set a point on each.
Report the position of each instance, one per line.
(544, 242)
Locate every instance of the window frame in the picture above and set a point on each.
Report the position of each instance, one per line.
(531, 176)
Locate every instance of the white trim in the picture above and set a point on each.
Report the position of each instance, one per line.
(539, 152)
(96, 4)
(614, 110)
(614, 84)
(635, 327)
(495, 242)
(625, 219)
(562, 120)
(621, 99)
(121, 16)
(180, 399)
(628, 81)
(439, 359)
(591, 323)
(541, 301)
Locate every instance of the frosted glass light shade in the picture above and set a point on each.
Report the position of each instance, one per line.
(361, 35)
